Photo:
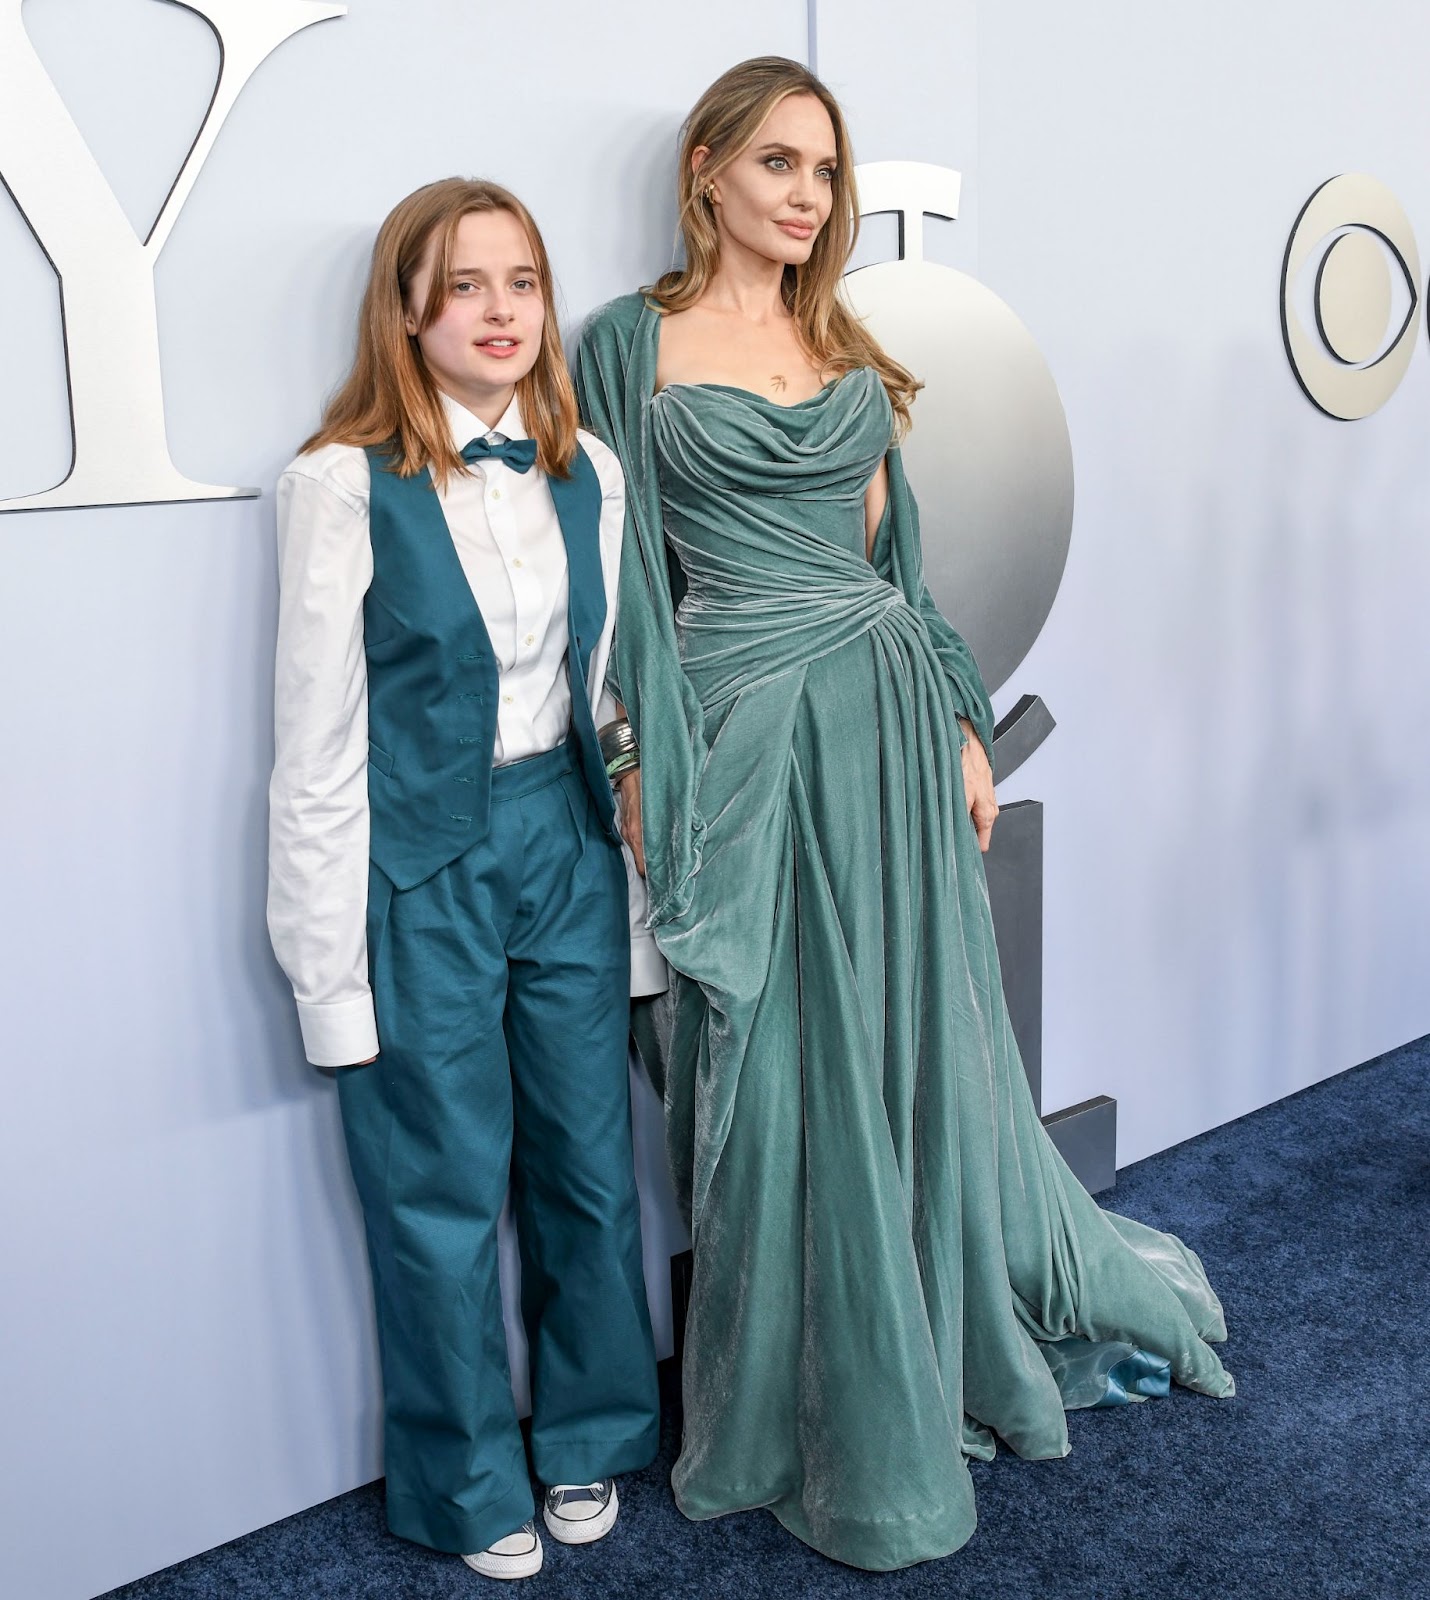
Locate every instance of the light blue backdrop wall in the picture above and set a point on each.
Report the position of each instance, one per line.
(1238, 822)
(1238, 808)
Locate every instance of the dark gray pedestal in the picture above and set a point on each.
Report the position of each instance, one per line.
(1086, 1134)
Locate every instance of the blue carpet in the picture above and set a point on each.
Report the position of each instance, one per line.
(1313, 1217)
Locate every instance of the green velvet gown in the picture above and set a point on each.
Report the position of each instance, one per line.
(892, 1262)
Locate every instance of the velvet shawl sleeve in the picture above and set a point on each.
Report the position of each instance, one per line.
(614, 370)
(898, 558)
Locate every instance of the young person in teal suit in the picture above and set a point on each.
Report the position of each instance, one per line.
(447, 892)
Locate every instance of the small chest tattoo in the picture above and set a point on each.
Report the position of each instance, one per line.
(778, 384)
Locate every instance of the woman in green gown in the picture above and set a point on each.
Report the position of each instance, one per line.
(892, 1263)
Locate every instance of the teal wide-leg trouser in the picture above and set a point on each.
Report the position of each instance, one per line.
(501, 987)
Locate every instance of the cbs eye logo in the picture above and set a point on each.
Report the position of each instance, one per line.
(1352, 271)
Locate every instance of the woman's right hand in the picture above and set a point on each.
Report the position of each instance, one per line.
(628, 789)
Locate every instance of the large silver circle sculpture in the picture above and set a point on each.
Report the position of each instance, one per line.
(1338, 366)
(988, 457)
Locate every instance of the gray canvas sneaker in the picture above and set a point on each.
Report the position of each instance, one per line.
(516, 1556)
(581, 1513)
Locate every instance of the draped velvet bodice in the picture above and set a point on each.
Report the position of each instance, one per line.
(763, 505)
(799, 471)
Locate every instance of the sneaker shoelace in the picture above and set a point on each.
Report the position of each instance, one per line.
(599, 1492)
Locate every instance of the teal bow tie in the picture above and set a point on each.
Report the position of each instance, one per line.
(519, 454)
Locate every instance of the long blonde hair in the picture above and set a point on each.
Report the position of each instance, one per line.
(726, 119)
(389, 398)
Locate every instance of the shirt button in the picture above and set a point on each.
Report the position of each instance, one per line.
(506, 700)
(496, 494)
(517, 562)
(531, 638)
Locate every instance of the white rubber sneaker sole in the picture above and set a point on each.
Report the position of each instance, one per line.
(490, 1564)
(569, 1531)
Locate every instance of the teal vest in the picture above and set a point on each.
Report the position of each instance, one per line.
(432, 674)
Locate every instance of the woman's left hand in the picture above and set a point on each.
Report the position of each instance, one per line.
(628, 790)
(978, 786)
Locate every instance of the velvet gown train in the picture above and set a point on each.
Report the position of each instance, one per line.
(892, 1263)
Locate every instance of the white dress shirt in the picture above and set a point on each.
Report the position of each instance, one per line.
(508, 539)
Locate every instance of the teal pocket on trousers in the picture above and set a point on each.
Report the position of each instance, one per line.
(379, 904)
(578, 798)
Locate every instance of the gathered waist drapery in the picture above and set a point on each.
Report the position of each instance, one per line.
(731, 642)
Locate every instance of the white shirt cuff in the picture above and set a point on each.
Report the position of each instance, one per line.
(340, 1033)
(648, 970)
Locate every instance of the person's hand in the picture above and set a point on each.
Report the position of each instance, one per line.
(628, 791)
(352, 1064)
(978, 786)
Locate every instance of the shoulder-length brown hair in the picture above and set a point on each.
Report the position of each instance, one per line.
(389, 398)
(726, 119)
